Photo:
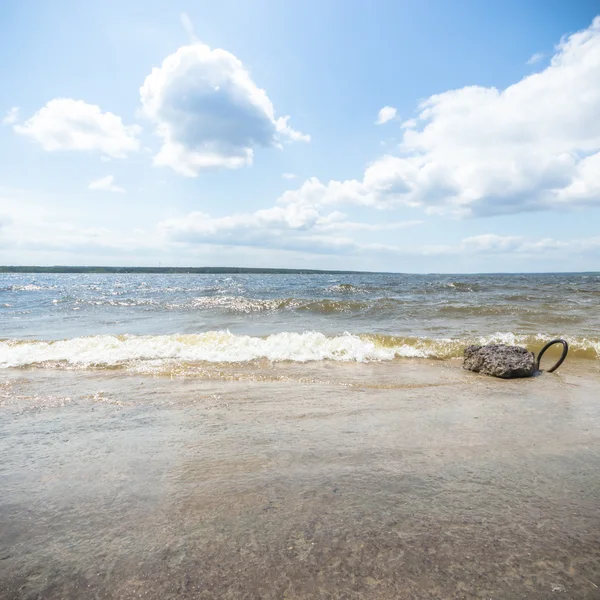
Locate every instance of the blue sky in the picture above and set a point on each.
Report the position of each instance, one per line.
(422, 137)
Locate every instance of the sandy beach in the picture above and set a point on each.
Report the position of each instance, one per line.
(327, 480)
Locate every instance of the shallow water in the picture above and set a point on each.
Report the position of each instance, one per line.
(292, 437)
(373, 481)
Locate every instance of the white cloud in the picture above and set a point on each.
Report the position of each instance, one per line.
(353, 226)
(12, 116)
(387, 113)
(67, 124)
(188, 26)
(209, 112)
(483, 151)
(290, 227)
(30, 228)
(381, 187)
(32, 231)
(584, 187)
(105, 184)
(288, 176)
(304, 229)
(536, 58)
(201, 226)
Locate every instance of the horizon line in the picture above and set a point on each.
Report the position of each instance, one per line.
(107, 269)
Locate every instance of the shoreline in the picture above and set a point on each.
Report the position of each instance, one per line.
(371, 481)
(181, 353)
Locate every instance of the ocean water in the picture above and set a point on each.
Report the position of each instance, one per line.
(157, 322)
(250, 436)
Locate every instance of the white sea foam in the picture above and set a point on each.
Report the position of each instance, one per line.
(223, 346)
(218, 346)
(30, 287)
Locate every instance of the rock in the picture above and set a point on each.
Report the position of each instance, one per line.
(500, 360)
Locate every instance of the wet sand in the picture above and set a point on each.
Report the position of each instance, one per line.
(411, 479)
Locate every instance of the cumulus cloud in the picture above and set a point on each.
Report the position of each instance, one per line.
(381, 187)
(290, 227)
(387, 113)
(67, 124)
(105, 184)
(12, 116)
(209, 112)
(479, 151)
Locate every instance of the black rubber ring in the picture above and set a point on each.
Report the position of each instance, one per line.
(560, 360)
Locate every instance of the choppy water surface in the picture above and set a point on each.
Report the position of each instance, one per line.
(146, 321)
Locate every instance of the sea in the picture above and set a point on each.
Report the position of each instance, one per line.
(163, 323)
(296, 436)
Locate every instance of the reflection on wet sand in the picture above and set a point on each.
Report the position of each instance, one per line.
(375, 481)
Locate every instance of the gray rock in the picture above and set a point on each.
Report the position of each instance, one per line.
(500, 360)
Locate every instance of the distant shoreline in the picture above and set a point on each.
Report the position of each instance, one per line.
(176, 270)
(247, 270)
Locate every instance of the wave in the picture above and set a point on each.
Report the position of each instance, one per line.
(373, 307)
(349, 288)
(242, 304)
(461, 286)
(424, 287)
(546, 311)
(111, 351)
(30, 287)
(109, 302)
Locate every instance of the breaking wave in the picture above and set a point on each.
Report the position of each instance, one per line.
(112, 351)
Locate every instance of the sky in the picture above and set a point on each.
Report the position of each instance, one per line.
(448, 137)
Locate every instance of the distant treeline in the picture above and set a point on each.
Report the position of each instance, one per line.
(174, 270)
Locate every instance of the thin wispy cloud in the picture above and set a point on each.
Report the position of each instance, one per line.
(188, 26)
(12, 116)
(536, 58)
(105, 184)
